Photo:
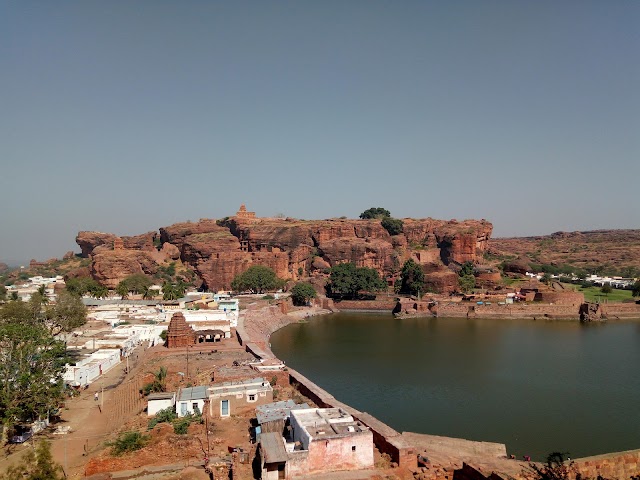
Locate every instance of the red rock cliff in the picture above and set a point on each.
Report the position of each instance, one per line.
(218, 251)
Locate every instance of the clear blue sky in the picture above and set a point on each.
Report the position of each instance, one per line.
(127, 116)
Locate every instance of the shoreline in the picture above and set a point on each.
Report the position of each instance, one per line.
(257, 324)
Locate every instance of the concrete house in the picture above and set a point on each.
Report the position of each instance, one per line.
(229, 398)
(191, 400)
(321, 440)
(159, 401)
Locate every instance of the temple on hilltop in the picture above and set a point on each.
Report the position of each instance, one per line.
(242, 213)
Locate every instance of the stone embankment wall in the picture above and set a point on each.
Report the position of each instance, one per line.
(622, 465)
(385, 305)
(384, 437)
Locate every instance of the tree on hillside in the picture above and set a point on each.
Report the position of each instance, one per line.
(257, 279)
(302, 292)
(411, 278)
(606, 289)
(36, 464)
(375, 212)
(466, 283)
(467, 268)
(392, 225)
(347, 280)
(3, 293)
(466, 279)
(136, 283)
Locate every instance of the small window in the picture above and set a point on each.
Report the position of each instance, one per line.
(251, 397)
(353, 448)
(263, 394)
(194, 406)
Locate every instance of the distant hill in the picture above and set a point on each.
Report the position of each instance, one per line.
(612, 252)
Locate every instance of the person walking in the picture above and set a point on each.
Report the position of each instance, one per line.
(96, 396)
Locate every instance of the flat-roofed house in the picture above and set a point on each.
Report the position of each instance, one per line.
(332, 440)
(159, 401)
(191, 400)
(230, 398)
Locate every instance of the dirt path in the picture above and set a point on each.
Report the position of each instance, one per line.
(94, 422)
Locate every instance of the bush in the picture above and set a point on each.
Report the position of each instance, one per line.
(167, 415)
(128, 442)
(392, 225)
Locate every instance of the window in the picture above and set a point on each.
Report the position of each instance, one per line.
(194, 406)
(353, 448)
(251, 397)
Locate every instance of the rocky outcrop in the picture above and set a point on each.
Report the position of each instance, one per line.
(110, 267)
(90, 241)
(219, 250)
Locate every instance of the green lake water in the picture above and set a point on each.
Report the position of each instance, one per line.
(537, 386)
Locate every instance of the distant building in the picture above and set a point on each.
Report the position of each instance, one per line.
(242, 213)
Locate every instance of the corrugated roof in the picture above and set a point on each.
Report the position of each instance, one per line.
(193, 393)
(272, 446)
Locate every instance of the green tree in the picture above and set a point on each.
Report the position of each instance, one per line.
(257, 279)
(169, 292)
(347, 280)
(122, 290)
(302, 292)
(3, 293)
(149, 293)
(159, 383)
(635, 290)
(466, 283)
(136, 283)
(36, 464)
(546, 278)
(66, 315)
(606, 289)
(411, 278)
(30, 371)
(375, 212)
(466, 268)
(392, 225)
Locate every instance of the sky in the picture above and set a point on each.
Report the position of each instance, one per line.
(124, 117)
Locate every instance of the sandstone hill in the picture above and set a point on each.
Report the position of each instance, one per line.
(612, 252)
(219, 250)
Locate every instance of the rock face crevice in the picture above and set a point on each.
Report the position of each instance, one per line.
(219, 250)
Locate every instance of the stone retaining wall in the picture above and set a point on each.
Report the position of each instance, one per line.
(621, 465)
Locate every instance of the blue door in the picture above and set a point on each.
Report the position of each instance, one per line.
(224, 408)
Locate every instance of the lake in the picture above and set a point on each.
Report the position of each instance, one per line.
(537, 386)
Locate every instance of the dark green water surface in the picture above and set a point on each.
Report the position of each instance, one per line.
(536, 386)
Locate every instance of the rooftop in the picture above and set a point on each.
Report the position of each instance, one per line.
(239, 386)
(193, 393)
(273, 447)
(277, 410)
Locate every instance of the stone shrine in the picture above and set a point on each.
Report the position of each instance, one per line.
(179, 334)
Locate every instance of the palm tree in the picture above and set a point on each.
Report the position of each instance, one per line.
(149, 293)
(122, 290)
(169, 292)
